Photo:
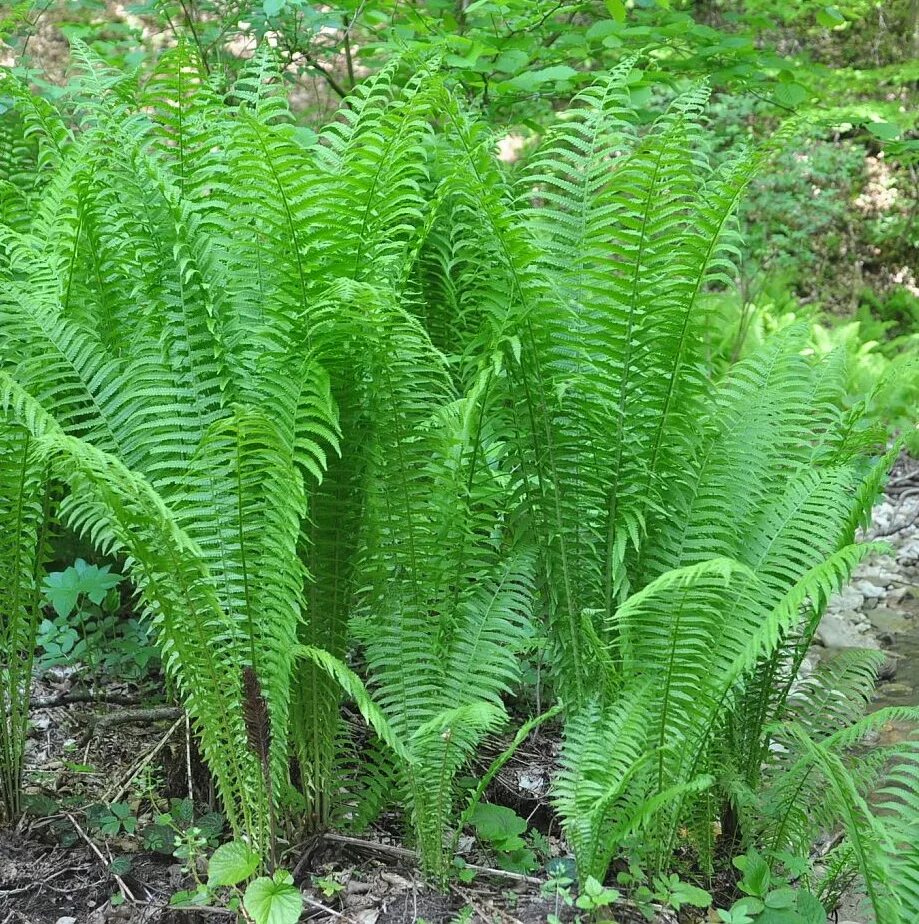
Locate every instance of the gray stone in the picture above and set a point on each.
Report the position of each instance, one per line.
(888, 670)
(841, 630)
(869, 589)
(909, 551)
(848, 599)
(897, 595)
(887, 620)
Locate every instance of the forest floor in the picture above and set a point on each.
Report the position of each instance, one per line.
(57, 869)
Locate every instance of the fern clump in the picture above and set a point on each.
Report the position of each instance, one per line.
(363, 417)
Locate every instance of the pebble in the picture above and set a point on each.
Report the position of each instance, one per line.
(66, 920)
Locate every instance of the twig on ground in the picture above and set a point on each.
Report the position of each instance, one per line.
(893, 529)
(202, 909)
(404, 854)
(308, 850)
(325, 909)
(144, 761)
(485, 914)
(125, 891)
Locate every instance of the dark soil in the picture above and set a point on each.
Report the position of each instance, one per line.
(41, 882)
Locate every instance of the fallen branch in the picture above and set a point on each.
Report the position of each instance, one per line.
(126, 782)
(88, 696)
(129, 716)
(403, 853)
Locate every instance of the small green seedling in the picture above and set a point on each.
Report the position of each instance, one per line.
(328, 885)
(86, 628)
(501, 828)
(266, 899)
(113, 819)
(673, 892)
(595, 896)
(769, 899)
(558, 886)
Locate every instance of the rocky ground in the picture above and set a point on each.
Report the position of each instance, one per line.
(880, 609)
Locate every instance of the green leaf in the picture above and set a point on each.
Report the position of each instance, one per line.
(63, 588)
(779, 916)
(685, 893)
(810, 908)
(756, 874)
(781, 898)
(231, 863)
(616, 9)
(497, 824)
(829, 17)
(601, 29)
(511, 61)
(182, 811)
(273, 7)
(886, 131)
(790, 94)
(120, 866)
(200, 896)
(532, 80)
(274, 901)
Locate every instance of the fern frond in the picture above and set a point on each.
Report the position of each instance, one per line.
(24, 513)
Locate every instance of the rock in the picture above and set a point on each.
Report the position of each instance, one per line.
(869, 589)
(40, 721)
(880, 573)
(848, 599)
(888, 669)
(841, 630)
(66, 920)
(357, 887)
(909, 551)
(896, 689)
(810, 662)
(400, 883)
(892, 621)
(532, 782)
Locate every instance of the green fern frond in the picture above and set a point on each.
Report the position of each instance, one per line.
(24, 513)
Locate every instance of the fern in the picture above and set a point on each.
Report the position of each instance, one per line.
(354, 407)
(24, 509)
